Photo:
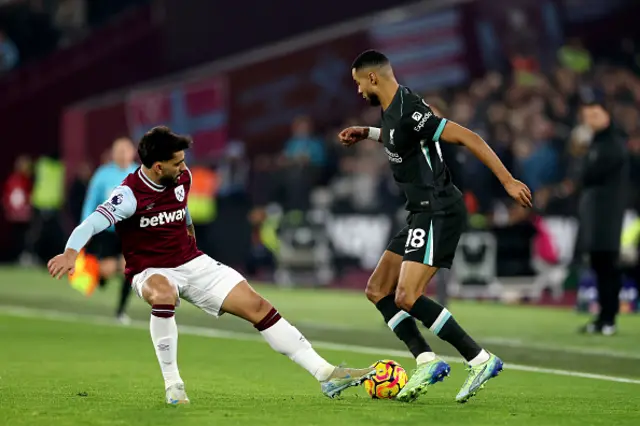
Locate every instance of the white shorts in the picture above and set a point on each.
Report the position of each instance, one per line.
(202, 281)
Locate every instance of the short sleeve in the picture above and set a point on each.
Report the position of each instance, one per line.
(421, 121)
(121, 205)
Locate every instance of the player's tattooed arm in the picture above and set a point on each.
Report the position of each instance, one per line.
(454, 133)
(191, 230)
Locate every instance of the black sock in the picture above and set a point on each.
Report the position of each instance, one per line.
(403, 325)
(125, 291)
(439, 320)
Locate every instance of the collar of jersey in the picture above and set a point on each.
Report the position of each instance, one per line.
(151, 184)
(398, 97)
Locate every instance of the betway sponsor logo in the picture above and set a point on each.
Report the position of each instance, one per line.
(163, 218)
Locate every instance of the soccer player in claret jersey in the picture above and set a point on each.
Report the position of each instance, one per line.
(411, 134)
(149, 211)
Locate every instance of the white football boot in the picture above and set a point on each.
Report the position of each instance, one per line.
(176, 394)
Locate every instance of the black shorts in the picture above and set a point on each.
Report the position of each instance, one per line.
(431, 237)
(105, 245)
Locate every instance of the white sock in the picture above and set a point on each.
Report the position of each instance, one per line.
(425, 357)
(481, 358)
(286, 339)
(164, 334)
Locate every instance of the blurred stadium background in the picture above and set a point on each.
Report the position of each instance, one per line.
(264, 89)
(277, 197)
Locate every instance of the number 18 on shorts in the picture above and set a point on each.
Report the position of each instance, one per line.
(429, 238)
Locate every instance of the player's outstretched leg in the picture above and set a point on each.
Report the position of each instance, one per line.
(245, 303)
(162, 297)
(409, 296)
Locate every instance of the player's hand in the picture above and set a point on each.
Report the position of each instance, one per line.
(62, 264)
(353, 135)
(519, 192)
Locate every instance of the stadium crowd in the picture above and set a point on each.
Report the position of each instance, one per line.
(529, 117)
(31, 29)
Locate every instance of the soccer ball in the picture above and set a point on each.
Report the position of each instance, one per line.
(389, 379)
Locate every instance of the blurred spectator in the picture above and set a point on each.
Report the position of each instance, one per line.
(264, 243)
(575, 57)
(203, 203)
(70, 19)
(603, 184)
(523, 45)
(303, 145)
(360, 182)
(46, 237)
(78, 191)
(538, 157)
(628, 55)
(263, 183)
(16, 202)
(233, 171)
(300, 167)
(8, 53)
(634, 152)
(296, 180)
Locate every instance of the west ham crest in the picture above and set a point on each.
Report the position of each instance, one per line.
(179, 190)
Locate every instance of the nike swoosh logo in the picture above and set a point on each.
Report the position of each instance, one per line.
(410, 251)
(478, 377)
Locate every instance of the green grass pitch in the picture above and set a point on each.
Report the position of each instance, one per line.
(74, 366)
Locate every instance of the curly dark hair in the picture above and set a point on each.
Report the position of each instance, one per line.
(159, 144)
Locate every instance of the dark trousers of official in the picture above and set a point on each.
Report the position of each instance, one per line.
(609, 277)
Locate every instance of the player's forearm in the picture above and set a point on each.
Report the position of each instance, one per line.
(81, 235)
(191, 230)
(484, 153)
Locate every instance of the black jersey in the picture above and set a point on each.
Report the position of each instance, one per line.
(411, 137)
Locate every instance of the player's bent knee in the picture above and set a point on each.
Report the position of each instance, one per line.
(384, 279)
(244, 302)
(158, 290)
(405, 300)
(258, 306)
(374, 290)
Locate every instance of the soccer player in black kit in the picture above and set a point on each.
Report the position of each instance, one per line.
(411, 135)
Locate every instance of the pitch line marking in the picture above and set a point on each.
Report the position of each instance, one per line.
(233, 335)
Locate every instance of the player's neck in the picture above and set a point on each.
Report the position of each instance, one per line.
(387, 94)
(150, 175)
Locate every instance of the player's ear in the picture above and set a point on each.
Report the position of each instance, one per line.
(373, 78)
(157, 167)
